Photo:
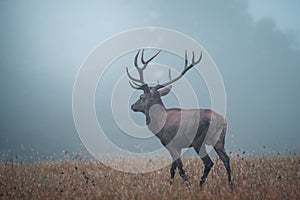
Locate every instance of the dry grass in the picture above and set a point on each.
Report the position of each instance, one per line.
(254, 178)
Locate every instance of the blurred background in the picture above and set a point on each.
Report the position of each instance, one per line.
(255, 45)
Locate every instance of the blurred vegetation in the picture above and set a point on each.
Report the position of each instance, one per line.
(254, 178)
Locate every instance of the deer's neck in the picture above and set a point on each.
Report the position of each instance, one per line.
(156, 117)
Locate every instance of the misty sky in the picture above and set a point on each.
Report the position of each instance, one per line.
(255, 45)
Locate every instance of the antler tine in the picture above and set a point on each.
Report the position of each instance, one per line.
(143, 61)
(131, 77)
(185, 69)
(140, 70)
(135, 59)
(149, 60)
(186, 59)
(193, 60)
(193, 63)
(133, 86)
(136, 84)
(135, 81)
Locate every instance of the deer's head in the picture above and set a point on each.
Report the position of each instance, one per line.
(152, 95)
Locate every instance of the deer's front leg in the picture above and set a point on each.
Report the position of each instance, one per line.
(181, 171)
(172, 171)
(177, 163)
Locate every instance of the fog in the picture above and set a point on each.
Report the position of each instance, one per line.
(44, 44)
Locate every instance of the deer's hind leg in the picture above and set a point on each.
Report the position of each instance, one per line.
(219, 148)
(172, 171)
(208, 163)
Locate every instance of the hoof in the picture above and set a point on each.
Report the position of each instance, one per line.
(201, 182)
(171, 181)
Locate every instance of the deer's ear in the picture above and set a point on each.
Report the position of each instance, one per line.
(165, 91)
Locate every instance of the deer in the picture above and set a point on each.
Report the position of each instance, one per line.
(179, 128)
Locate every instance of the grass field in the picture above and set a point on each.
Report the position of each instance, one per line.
(254, 178)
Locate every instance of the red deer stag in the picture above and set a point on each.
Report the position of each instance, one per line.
(178, 128)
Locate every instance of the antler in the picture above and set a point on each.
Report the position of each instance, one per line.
(139, 83)
(186, 68)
